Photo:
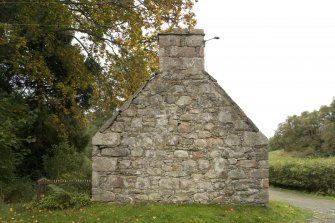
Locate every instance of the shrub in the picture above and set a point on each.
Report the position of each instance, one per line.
(17, 190)
(309, 174)
(59, 198)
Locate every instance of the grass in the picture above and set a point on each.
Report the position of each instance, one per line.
(158, 213)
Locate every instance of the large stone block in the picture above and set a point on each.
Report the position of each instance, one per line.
(180, 153)
(225, 116)
(220, 164)
(184, 100)
(115, 152)
(254, 139)
(247, 163)
(169, 183)
(106, 139)
(196, 40)
(202, 198)
(115, 182)
(168, 40)
(104, 164)
(233, 140)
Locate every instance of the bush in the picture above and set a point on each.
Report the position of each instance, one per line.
(67, 163)
(59, 198)
(309, 174)
(17, 190)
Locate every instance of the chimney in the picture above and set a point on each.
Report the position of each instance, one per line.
(181, 50)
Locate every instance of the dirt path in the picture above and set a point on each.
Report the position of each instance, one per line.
(324, 210)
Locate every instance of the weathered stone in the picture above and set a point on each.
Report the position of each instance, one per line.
(201, 198)
(200, 143)
(169, 183)
(184, 100)
(220, 164)
(128, 141)
(106, 139)
(241, 125)
(265, 183)
(247, 163)
(115, 181)
(204, 186)
(219, 200)
(102, 195)
(233, 140)
(180, 138)
(181, 153)
(142, 183)
(254, 139)
(104, 164)
(162, 120)
(189, 165)
(207, 117)
(154, 171)
(136, 123)
(236, 174)
(137, 152)
(216, 153)
(203, 164)
(118, 127)
(154, 197)
(143, 139)
(125, 163)
(204, 134)
(184, 127)
(187, 117)
(95, 179)
(225, 116)
(115, 152)
(172, 141)
(186, 184)
(259, 173)
(232, 161)
(209, 126)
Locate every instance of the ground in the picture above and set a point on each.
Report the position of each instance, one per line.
(324, 210)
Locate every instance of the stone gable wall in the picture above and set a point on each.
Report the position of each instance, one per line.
(181, 139)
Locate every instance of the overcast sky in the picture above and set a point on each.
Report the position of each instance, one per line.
(274, 58)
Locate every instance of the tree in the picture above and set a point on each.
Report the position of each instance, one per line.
(60, 60)
(310, 133)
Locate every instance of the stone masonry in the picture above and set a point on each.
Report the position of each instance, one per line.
(180, 138)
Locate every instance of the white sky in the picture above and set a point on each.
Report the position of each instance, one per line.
(274, 58)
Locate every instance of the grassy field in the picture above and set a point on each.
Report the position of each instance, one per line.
(158, 213)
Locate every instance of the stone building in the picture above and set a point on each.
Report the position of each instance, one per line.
(180, 138)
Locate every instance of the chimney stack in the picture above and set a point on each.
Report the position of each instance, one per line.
(181, 50)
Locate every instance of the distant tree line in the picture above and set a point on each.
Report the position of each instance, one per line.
(311, 133)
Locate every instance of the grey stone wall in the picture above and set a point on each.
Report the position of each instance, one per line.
(180, 139)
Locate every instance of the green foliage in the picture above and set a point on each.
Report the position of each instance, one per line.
(162, 213)
(59, 198)
(17, 190)
(61, 61)
(309, 174)
(311, 133)
(66, 163)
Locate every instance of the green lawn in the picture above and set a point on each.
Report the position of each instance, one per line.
(98, 212)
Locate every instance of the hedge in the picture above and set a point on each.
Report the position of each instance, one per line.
(308, 174)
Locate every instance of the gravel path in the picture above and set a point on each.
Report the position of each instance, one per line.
(324, 210)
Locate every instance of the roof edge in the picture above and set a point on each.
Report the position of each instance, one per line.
(236, 106)
(125, 105)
